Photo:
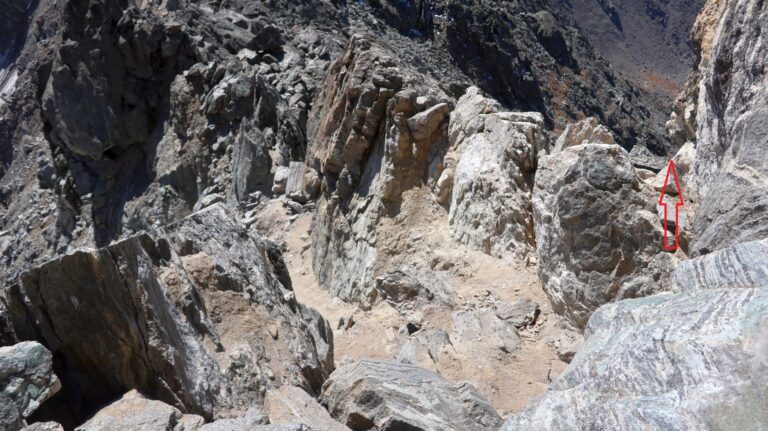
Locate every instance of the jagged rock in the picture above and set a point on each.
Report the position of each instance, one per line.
(520, 314)
(252, 420)
(361, 145)
(586, 131)
(484, 325)
(294, 187)
(424, 124)
(179, 314)
(597, 234)
(251, 164)
(391, 396)
(730, 176)
(683, 160)
(133, 412)
(26, 381)
(290, 404)
(695, 360)
(424, 348)
(405, 285)
(492, 181)
(280, 179)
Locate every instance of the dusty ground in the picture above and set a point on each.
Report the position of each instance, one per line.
(420, 233)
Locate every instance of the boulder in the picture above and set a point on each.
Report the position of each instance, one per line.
(134, 412)
(388, 396)
(598, 237)
(179, 313)
(26, 381)
(586, 131)
(692, 360)
(251, 164)
(290, 404)
(731, 171)
(492, 180)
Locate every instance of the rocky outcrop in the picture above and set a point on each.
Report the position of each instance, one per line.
(199, 314)
(389, 396)
(730, 171)
(598, 237)
(364, 147)
(694, 360)
(26, 381)
(741, 266)
(490, 205)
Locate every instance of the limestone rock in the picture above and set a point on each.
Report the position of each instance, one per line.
(26, 381)
(133, 412)
(492, 181)
(423, 124)
(290, 404)
(391, 396)
(586, 131)
(597, 234)
(730, 171)
(180, 313)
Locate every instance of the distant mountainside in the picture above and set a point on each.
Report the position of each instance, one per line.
(647, 40)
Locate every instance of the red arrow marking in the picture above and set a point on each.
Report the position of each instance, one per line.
(678, 204)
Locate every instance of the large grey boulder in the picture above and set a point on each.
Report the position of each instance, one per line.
(388, 396)
(598, 236)
(26, 381)
(199, 314)
(743, 265)
(731, 170)
(490, 205)
(685, 361)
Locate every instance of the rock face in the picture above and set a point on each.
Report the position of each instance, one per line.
(693, 360)
(389, 396)
(26, 381)
(362, 144)
(181, 314)
(597, 233)
(731, 172)
(490, 206)
(741, 266)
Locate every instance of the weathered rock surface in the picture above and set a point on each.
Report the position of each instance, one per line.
(388, 396)
(586, 131)
(730, 171)
(181, 314)
(694, 360)
(490, 206)
(135, 412)
(598, 237)
(361, 143)
(26, 381)
(741, 266)
(290, 404)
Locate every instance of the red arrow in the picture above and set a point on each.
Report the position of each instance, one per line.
(671, 168)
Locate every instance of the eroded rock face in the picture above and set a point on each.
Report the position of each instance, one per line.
(290, 404)
(598, 237)
(194, 314)
(26, 381)
(364, 147)
(490, 205)
(694, 360)
(731, 171)
(388, 396)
